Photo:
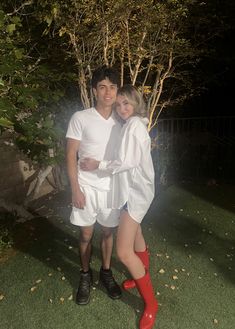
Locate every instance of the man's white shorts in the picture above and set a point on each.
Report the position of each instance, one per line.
(95, 210)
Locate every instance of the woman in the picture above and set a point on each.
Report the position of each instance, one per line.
(133, 192)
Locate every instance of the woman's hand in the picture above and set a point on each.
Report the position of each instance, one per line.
(88, 164)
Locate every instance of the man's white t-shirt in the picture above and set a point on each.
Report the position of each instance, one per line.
(98, 139)
(132, 169)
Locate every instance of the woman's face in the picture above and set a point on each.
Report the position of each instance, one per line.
(124, 109)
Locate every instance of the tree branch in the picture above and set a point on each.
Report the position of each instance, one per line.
(27, 3)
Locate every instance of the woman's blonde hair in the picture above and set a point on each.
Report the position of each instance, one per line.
(134, 98)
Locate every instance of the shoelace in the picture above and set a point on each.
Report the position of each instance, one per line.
(109, 280)
(84, 284)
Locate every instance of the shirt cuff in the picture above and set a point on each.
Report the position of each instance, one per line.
(102, 165)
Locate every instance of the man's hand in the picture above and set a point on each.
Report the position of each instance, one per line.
(88, 164)
(78, 199)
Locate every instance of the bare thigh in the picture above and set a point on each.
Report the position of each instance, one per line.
(126, 233)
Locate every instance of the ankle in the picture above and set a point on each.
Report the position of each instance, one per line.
(105, 270)
(85, 271)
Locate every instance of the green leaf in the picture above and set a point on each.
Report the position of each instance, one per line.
(6, 105)
(11, 28)
(6, 123)
(19, 53)
(16, 20)
(48, 19)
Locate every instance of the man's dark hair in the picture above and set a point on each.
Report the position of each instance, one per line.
(105, 72)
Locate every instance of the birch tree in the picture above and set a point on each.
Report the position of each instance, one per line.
(156, 45)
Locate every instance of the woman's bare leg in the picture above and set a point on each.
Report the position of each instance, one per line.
(125, 241)
(140, 244)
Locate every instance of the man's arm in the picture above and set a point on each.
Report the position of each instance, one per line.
(78, 198)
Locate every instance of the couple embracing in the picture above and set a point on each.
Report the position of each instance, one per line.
(111, 176)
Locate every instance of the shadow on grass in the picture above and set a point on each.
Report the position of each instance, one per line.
(222, 196)
(210, 239)
(54, 242)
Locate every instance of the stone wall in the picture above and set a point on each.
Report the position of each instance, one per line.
(16, 173)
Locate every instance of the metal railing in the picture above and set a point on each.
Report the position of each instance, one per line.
(195, 148)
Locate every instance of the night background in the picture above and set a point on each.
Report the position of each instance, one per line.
(180, 54)
(218, 98)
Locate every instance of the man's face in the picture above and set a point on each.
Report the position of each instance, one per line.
(105, 93)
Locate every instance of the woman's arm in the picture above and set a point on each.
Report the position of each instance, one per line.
(129, 157)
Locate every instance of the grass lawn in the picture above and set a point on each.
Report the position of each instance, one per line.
(191, 236)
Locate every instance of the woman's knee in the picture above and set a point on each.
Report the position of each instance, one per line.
(123, 254)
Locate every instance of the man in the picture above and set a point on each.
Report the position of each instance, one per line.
(93, 133)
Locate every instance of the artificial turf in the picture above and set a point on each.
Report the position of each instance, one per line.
(190, 232)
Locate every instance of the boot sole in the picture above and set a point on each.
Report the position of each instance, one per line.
(83, 303)
(107, 292)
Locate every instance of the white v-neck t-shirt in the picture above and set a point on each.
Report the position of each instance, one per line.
(132, 169)
(98, 139)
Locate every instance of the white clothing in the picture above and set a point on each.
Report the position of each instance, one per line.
(98, 138)
(96, 209)
(133, 171)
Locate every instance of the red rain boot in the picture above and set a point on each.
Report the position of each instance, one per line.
(145, 289)
(144, 257)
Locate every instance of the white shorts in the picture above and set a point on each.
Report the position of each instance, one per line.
(95, 210)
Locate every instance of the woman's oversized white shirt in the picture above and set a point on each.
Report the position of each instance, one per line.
(133, 172)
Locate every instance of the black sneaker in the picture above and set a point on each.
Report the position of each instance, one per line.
(83, 293)
(107, 279)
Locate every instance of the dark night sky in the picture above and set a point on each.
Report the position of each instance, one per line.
(218, 99)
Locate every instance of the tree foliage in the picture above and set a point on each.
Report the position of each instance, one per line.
(156, 45)
(29, 87)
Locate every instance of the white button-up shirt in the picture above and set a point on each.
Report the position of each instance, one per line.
(133, 172)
